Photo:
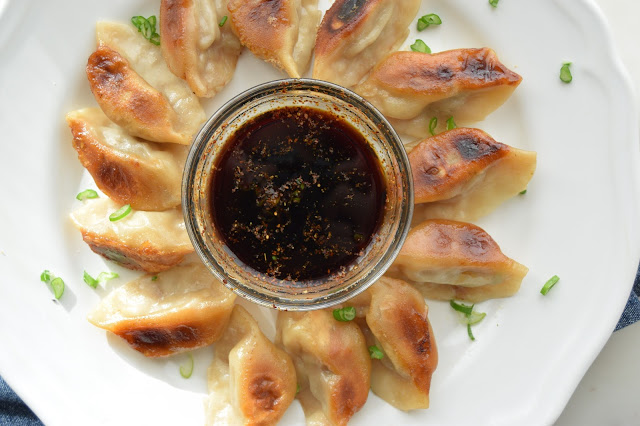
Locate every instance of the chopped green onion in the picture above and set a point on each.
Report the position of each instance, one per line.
(549, 285)
(223, 21)
(86, 194)
(430, 19)
(186, 370)
(297, 389)
(451, 124)
(420, 46)
(375, 352)
(147, 26)
(58, 287)
(432, 126)
(523, 192)
(467, 310)
(470, 316)
(91, 282)
(494, 3)
(565, 73)
(154, 278)
(469, 332)
(475, 317)
(56, 283)
(345, 314)
(103, 277)
(121, 213)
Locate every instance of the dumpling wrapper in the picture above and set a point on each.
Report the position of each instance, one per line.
(251, 381)
(128, 170)
(194, 45)
(464, 174)
(455, 260)
(332, 364)
(281, 32)
(136, 90)
(146, 241)
(180, 310)
(410, 88)
(355, 35)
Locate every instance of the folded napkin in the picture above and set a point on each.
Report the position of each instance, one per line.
(14, 412)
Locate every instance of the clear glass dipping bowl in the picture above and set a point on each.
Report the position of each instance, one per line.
(257, 287)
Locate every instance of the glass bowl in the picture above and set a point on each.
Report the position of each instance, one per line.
(210, 144)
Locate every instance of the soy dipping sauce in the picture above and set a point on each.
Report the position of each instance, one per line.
(298, 193)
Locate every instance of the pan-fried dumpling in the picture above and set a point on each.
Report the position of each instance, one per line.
(355, 35)
(392, 315)
(410, 88)
(463, 174)
(136, 90)
(332, 364)
(282, 32)
(147, 175)
(251, 381)
(178, 310)
(194, 45)
(146, 241)
(455, 260)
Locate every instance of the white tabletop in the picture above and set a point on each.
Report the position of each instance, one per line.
(609, 392)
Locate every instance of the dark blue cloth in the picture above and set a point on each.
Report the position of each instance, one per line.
(13, 411)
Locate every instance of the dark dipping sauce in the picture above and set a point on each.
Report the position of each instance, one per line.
(298, 194)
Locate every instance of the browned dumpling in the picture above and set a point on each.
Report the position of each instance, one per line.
(136, 90)
(174, 311)
(455, 260)
(146, 175)
(282, 32)
(410, 88)
(355, 35)
(397, 323)
(195, 46)
(464, 174)
(145, 241)
(332, 364)
(251, 381)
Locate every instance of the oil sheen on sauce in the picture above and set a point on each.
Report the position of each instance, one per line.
(297, 194)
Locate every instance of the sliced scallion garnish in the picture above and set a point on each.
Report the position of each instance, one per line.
(56, 283)
(348, 313)
(470, 317)
(121, 213)
(549, 285)
(494, 3)
(223, 21)
(523, 192)
(451, 124)
(147, 27)
(297, 389)
(420, 46)
(103, 277)
(186, 370)
(467, 310)
(427, 20)
(565, 73)
(91, 282)
(470, 333)
(432, 126)
(154, 278)
(87, 194)
(375, 352)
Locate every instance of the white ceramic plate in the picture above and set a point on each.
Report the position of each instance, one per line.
(578, 220)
